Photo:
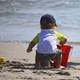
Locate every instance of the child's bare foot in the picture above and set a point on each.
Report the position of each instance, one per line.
(62, 67)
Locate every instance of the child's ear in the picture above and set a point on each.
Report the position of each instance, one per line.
(50, 25)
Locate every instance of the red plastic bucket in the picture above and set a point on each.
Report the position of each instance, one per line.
(65, 56)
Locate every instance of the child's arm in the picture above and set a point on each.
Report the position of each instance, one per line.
(62, 39)
(33, 43)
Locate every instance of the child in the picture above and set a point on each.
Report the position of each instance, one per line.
(47, 41)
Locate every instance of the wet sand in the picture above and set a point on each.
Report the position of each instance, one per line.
(19, 65)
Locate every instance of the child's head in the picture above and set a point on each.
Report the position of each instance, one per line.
(47, 21)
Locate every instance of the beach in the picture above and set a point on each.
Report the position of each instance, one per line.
(19, 24)
(19, 65)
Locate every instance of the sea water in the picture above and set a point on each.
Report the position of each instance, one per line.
(19, 19)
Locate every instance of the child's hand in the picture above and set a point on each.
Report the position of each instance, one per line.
(29, 50)
(63, 42)
(31, 45)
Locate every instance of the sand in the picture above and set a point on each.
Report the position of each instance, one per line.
(19, 65)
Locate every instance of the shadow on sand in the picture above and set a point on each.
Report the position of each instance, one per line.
(74, 65)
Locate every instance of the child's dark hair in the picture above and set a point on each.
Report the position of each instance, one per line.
(46, 20)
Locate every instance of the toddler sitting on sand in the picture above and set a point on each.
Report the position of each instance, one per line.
(47, 43)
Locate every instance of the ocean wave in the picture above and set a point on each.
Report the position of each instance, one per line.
(16, 5)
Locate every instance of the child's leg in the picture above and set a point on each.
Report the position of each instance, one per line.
(37, 60)
(51, 60)
(57, 60)
(44, 60)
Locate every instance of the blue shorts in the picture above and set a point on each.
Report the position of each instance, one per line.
(43, 60)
